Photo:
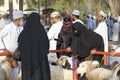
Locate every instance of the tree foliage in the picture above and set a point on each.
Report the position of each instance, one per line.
(114, 6)
(92, 6)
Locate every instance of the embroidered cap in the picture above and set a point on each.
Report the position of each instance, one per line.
(55, 14)
(17, 14)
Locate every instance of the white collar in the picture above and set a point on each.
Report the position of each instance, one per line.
(78, 20)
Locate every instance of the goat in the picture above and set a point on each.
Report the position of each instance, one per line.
(87, 66)
(100, 73)
(6, 65)
(55, 68)
(5, 71)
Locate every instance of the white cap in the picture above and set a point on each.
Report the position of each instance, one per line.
(76, 12)
(5, 13)
(102, 13)
(55, 14)
(17, 14)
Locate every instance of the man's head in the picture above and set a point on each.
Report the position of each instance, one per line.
(101, 16)
(63, 13)
(5, 15)
(55, 17)
(75, 14)
(18, 18)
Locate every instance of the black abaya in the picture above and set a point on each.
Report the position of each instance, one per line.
(34, 45)
(85, 40)
(65, 41)
(65, 35)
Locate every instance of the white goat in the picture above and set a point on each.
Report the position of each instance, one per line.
(56, 70)
(87, 66)
(93, 73)
(5, 71)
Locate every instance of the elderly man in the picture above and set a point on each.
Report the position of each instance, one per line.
(9, 35)
(53, 33)
(4, 20)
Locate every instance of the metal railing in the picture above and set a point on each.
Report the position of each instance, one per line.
(75, 76)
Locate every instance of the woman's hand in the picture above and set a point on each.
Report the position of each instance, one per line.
(93, 51)
(69, 49)
(112, 53)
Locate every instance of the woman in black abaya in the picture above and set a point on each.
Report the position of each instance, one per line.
(85, 40)
(34, 45)
(65, 36)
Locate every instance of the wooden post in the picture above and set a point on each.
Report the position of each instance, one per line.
(39, 6)
(46, 15)
(10, 8)
(21, 5)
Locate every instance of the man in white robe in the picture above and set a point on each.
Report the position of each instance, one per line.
(102, 29)
(9, 35)
(53, 33)
(4, 20)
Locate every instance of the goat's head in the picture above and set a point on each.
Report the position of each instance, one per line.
(65, 62)
(83, 67)
(52, 58)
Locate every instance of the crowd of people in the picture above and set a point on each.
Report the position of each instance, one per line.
(80, 40)
(111, 22)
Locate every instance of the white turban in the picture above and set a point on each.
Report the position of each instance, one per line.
(102, 13)
(17, 14)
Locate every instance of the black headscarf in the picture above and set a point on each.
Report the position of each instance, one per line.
(33, 44)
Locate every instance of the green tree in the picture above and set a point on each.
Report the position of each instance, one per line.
(114, 6)
(92, 6)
